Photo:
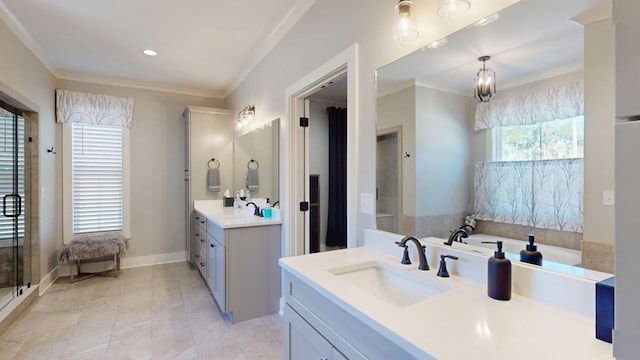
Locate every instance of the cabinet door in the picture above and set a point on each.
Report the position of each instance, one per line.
(219, 286)
(302, 341)
(211, 262)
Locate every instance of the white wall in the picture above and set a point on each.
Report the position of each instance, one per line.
(328, 28)
(399, 109)
(23, 73)
(157, 166)
(599, 96)
(442, 152)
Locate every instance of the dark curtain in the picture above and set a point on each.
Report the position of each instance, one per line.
(337, 221)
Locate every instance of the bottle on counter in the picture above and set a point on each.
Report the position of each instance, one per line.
(266, 212)
(531, 254)
(498, 274)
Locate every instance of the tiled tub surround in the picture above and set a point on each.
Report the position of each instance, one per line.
(557, 308)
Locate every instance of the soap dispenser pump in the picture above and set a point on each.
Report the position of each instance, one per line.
(498, 275)
(531, 255)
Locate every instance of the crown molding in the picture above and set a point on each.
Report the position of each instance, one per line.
(264, 48)
(137, 85)
(542, 75)
(445, 89)
(594, 14)
(21, 32)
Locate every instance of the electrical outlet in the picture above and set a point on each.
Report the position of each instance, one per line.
(608, 198)
(366, 203)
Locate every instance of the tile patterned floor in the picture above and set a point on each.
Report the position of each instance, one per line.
(157, 312)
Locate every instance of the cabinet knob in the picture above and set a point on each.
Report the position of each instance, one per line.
(196, 256)
(202, 264)
(201, 240)
(212, 245)
(201, 221)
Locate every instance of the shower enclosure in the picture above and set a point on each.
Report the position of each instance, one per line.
(15, 257)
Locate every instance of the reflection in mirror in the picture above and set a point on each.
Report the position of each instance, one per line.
(443, 157)
(255, 162)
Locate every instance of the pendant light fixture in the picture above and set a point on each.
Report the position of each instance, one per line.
(404, 25)
(485, 82)
(453, 8)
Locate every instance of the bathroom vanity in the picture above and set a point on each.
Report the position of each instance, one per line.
(237, 255)
(361, 303)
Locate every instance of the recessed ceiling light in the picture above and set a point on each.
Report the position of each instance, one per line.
(438, 43)
(486, 21)
(453, 8)
(150, 52)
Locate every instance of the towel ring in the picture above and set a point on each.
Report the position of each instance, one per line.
(253, 161)
(215, 161)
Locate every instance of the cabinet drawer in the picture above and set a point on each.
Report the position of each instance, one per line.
(200, 220)
(216, 231)
(201, 262)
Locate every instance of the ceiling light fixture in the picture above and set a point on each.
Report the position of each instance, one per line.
(404, 25)
(245, 117)
(485, 82)
(487, 20)
(438, 43)
(453, 8)
(150, 52)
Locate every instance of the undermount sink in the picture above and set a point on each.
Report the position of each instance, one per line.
(239, 216)
(394, 286)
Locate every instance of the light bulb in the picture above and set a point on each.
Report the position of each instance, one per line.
(404, 27)
(453, 8)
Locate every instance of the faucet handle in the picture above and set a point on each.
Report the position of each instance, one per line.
(442, 271)
(405, 255)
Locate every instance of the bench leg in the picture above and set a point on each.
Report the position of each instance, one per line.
(115, 264)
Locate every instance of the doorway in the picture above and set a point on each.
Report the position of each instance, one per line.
(389, 179)
(296, 164)
(326, 149)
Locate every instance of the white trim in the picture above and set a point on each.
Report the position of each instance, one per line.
(48, 280)
(543, 75)
(394, 89)
(282, 303)
(158, 259)
(270, 41)
(103, 80)
(206, 110)
(344, 62)
(15, 303)
(445, 89)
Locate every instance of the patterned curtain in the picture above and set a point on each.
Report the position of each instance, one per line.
(545, 194)
(560, 102)
(81, 107)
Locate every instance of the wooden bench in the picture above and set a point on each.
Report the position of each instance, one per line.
(93, 248)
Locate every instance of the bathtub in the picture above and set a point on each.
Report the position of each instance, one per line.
(511, 246)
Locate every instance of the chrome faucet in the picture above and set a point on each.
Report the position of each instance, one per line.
(424, 265)
(257, 211)
(458, 235)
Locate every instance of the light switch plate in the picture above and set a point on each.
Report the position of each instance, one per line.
(366, 203)
(608, 198)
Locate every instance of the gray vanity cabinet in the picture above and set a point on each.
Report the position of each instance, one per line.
(315, 328)
(198, 241)
(242, 269)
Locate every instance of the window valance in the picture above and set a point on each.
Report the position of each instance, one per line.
(560, 102)
(97, 109)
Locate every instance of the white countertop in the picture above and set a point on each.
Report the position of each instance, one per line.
(228, 217)
(461, 323)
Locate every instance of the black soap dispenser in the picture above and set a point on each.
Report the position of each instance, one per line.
(499, 275)
(531, 255)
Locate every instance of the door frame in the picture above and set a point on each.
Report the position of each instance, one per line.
(293, 155)
(398, 131)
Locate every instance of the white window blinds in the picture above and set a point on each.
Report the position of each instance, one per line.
(7, 146)
(97, 178)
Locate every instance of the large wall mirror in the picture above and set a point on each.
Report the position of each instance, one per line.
(255, 161)
(436, 165)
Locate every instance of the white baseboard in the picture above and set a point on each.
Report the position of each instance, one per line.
(48, 280)
(138, 261)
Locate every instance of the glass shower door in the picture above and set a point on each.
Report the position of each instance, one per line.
(14, 255)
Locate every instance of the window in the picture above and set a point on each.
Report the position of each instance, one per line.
(97, 178)
(557, 139)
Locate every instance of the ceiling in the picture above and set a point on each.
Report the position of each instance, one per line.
(531, 40)
(206, 47)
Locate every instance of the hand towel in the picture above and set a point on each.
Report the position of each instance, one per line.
(213, 180)
(253, 180)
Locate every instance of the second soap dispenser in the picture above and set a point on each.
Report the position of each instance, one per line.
(499, 275)
(531, 255)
